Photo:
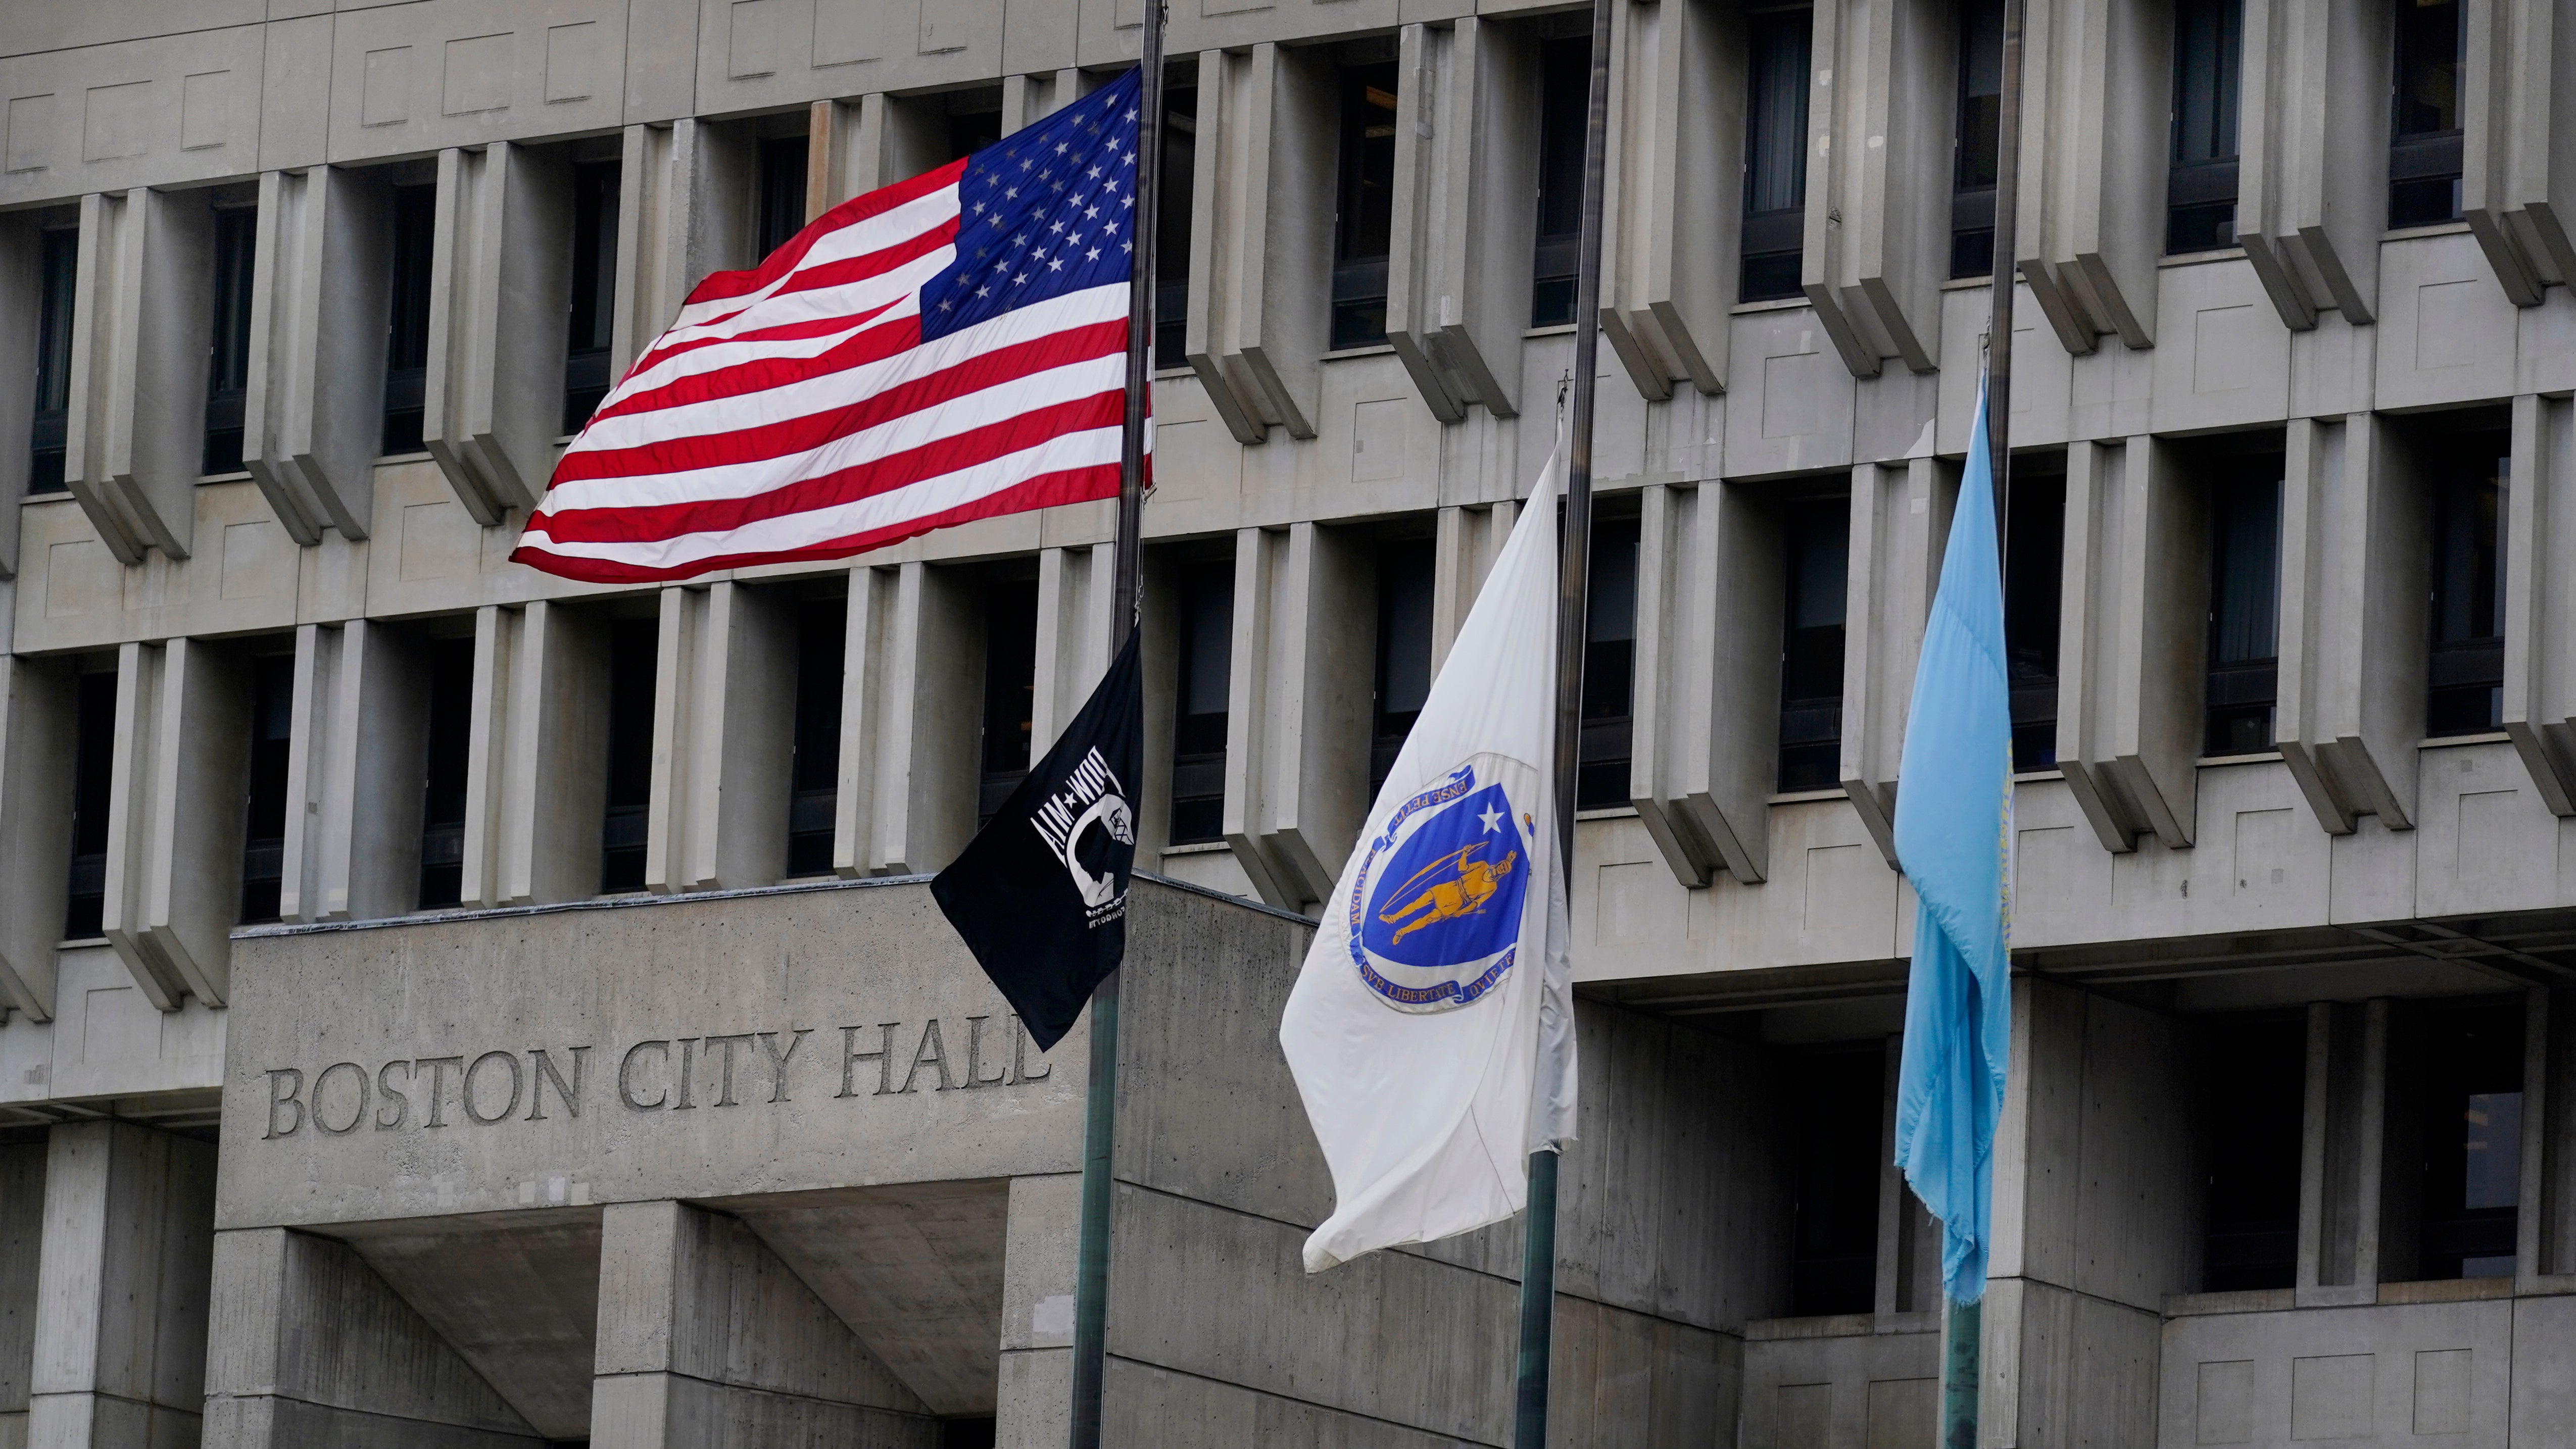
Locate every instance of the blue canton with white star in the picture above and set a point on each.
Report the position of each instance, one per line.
(1044, 211)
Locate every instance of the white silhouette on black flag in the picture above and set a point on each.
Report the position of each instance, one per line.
(1040, 894)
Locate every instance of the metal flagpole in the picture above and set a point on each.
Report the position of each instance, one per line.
(1100, 1104)
(1573, 596)
(1963, 1323)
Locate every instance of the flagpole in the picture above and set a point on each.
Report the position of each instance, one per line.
(1573, 597)
(1100, 1102)
(1963, 1323)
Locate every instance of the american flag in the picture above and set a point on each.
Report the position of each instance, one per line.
(947, 348)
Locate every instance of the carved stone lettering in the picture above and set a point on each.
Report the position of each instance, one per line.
(688, 1069)
(1020, 1044)
(626, 1076)
(724, 1091)
(465, 1091)
(778, 1060)
(541, 1067)
(883, 1056)
(975, 1056)
(393, 1097)
(929, 1053)
(293, 1081)
(438, 1069)
(357, 1110)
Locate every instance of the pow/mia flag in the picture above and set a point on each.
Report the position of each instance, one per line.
(1040, 894)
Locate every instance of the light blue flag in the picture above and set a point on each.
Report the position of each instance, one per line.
(1954, 836)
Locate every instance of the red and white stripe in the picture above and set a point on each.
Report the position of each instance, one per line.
(792, 412)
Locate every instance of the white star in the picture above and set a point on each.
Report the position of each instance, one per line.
(1021, 279)
(1493, 819)
(1090, 212)
(1092, 256)
(1056, 266)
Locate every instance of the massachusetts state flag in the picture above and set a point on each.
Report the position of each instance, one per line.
(947, 348)
(1431, 1030)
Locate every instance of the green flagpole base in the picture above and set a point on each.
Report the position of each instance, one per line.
(1960, 1325)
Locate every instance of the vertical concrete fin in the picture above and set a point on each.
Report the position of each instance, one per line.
(36, 748)
(2540, 599)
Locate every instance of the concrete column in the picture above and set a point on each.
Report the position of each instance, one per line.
(2545, 1254)
(2356, 553)
(1676, 153)
(2131, 639)
(1466, 217)
(2519, 162)
(141, 319)
(2096, 138)
(706, 1339)
(1467, 542)
(353, 774)
(1909, 1237)
(22, 1231)
(2345, 1248)
(21, 287)
(121, 1288)
(1704, 753)
(652, 239)
(1261, 241)
(1036, 1390)
(912, 686)
(2540, 597)
(1077, 619)
(1900, 523)
(2312, 178)
(36, 717)
(2096, 1218)
(724, 719)
(496, 639)
(1878, 178)
(500, 279)
(175, 818)
(309, 1347)
(319, 292)
(1297, 782)
(551, 783)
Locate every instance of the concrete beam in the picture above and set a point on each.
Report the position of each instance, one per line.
(2540, 597)
(1303, 658)
(1705, 749)
(2312, 178)
(36, 746)
(310, 1347)
(121, 1288)
(1878, 167)
(2355, 568)
(175, 818)
(141, 325)
(1676, 151)
(2518, 157)
(1900, 524)
(319, 291)
(500, 279)
(1466, 217)
(353, 771)
(2094, 181)
(1261, 241)
(705, 1338)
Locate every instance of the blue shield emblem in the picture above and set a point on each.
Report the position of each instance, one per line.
(1435, 911)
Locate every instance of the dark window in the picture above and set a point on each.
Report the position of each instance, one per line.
(1172, 228)
(972, 131)
(781, 210)
(2424, 133)
(1199, 704)
(2244, 613)
(1977, 139)
(228, 357)
(442, 812)
(2467, 666)
(1365, 206)
(93, 781)
(967, 1433)
(822, 630)
(415, 241)
(58, 265)
(2472, 1124)
(1775, 154)
(1811, 653)
(1837, 1109)
(1565, 100)
(1405, 574)
(2200, 189)
(272, 734)
(2034, 549)
(1609, 666)
(1010, 691)
(594, 291)
(634, 649)
(2256, 1075)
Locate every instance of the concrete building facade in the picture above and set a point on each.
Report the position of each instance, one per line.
(372, 909)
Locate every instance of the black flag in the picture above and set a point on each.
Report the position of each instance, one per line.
(1041, 892)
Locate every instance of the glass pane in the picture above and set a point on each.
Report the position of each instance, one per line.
(1838, 1109)
(1775, 122)
(782, 195)
(2429, 40)
(442, 842)
(1565, 78)
(1172, 227)
(1811, 656)
(2208, 46)
(633, 651)
(1981, 91)
(2033, 560)
(2471, 1110)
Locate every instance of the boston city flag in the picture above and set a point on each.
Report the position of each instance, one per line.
(944, 349)
(1431, 1030)
(1954, 837)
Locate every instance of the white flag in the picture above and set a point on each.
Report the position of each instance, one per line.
(1431, 1030)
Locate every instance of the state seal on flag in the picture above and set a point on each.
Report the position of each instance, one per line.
(1435, 907)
